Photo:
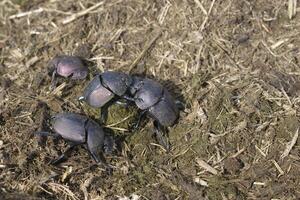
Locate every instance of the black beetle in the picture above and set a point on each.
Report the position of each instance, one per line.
(80, 130)
(148, 95)
(152, 98)
(67, 66)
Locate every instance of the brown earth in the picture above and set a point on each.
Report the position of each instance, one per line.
(234, 64)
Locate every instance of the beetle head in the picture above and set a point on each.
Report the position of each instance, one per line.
(51, 67)
(68, 66)
(136, 84)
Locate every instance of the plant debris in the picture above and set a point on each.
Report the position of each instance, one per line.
(233, 64)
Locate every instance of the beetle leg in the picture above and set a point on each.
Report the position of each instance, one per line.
(140, 117)
(64, 155)
(42, 136)
(104, 109)
(53, 80)
(160, 134)
(108, 145)
(98, 157)
(46, 134)
(104, 113)
(100, 160)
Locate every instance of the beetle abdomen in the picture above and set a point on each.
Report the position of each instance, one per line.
(70, 126)
(95, 139)
(99, 97)
(70, 65)
(96, 95)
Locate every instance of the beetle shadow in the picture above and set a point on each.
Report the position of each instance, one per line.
(42, 116)
(175, 90)
(118, 140)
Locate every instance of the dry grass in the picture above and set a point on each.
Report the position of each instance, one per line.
(234, 63)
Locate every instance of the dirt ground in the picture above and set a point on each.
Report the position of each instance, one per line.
(233, 63)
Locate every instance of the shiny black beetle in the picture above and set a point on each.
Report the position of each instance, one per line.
(148, 95)
(80, 130)
(67, 66)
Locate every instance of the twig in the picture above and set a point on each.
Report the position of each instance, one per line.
(228, 55)
(290, 145)
(117, 128)
(45, 190)
(119, 122)
(81, 13)
(259, 183)
(85, 185)
(260, 151)
(292, 8)
(62, 189)
(199, 4)
(207, 16)
(66, 173)
(206, 166)
(146, 48)
(162, 16)
(24, 14)
(281, 172)
(158, 145)
(117, 34)
(58, 90)
(101, 58)
(238, 153)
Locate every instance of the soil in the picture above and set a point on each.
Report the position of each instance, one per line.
(233, 64)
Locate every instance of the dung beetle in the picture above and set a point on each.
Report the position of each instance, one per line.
(148, 95)
(152, 97)
(154, 100)
(67, 66)
(80, 130)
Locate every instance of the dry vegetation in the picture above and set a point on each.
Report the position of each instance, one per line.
(234, 63)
